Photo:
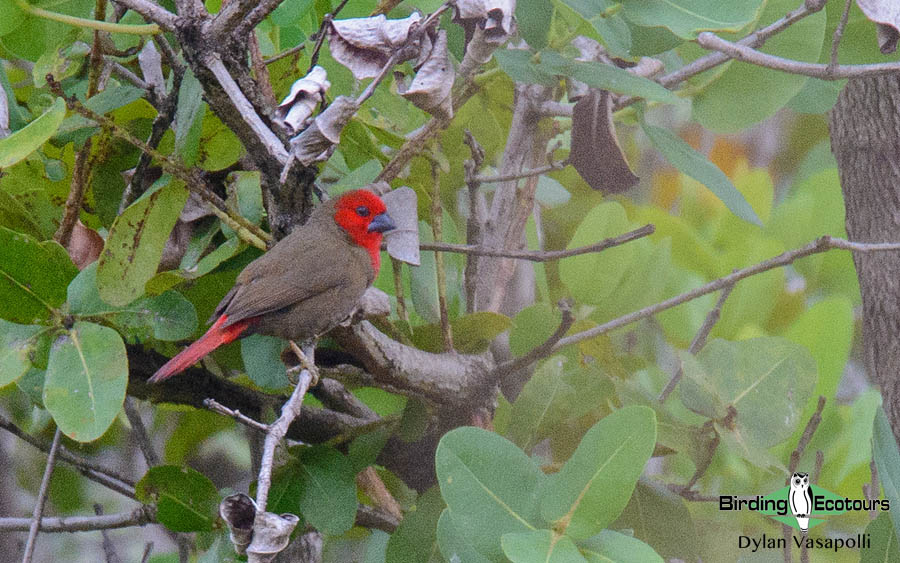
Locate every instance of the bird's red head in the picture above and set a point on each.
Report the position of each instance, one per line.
(364, 216)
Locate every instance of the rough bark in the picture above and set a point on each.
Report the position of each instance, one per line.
(865, 139)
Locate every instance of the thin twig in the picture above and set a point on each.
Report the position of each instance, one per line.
(558, 165)
(89, 469)
(148, 549)
(109, 550)
(218, 407)
(284, 54)
(699, 340)
(542, 351)
(137, 517)
(475, 221)
(76, 196)
(709, 40)
(711, 447)
(540, 255)
(437, 222)
(396, 266)
(140, 433)
(320, 35)
(822, 244)
(838, 33)
(41, 499)
(807, 435)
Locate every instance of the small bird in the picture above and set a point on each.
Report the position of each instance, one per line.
(303, 286)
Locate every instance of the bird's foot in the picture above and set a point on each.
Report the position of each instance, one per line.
(304, 364)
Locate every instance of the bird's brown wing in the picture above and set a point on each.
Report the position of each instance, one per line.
(305, 264)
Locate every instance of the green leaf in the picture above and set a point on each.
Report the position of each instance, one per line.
(86, 379)
(687, 18)
(472, 333)
(168, 316)
(533, 17)
(598, 19)
(650, 505)
(135, 244)
(767, 380)
(614, 546)
(884, 546)
(102, 103)
(11, 17)
(594, 485)
(28, 139)
(887, 461)
(486, 503)
(189, 118)
(262, 360)
(186, 500)
(321, 486)
(683, 157)
(591, 278)
(33, 277)
(414, 540)
(13, 215)
(540, 546)
(543, 402)
(453, 545)
(521, 67)
(532, 326)
(728, 106)
(606, 77)
(17, 342)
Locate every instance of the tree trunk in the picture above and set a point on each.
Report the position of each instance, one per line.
(865, 139)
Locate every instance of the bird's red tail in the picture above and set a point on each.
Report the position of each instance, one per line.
(216, 336)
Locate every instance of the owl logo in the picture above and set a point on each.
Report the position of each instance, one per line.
(801, 500)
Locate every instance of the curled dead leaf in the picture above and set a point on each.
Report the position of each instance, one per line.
(430, 89)
(315, 141)
(403, 242)
(886, 14)
(364, 45)
(302, 100)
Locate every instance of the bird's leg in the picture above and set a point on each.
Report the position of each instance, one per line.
(305, 362)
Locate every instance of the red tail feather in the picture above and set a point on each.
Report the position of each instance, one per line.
(214, 337)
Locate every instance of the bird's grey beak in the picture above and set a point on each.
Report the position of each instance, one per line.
(381, 223)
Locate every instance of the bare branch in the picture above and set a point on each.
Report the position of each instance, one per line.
(89, 469)
(218, 407)
(140, 433)
(559, 165)
(540, 255)
(805, 438)
(283, 54)
(822, 244)
(109, 550)
(542, 351)
(229, 17)
(152, 12)
(709, 40)
(437, 212)
(699, 340)
(838, 33)
(137, 517)
(273, 145)
(41, 499)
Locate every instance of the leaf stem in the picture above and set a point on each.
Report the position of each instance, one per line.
(141, 29)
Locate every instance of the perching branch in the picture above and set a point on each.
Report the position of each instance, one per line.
(709, 40)
(822, 244)
(542, 351)
(218, 407)
(152, 12)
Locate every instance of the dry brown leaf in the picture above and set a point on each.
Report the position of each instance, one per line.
(403, 242)
(84, 246)
(595, 152)
(430, 89)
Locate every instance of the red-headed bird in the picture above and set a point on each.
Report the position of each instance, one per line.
(304, 285)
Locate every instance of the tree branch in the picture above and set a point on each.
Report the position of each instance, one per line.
(137, 517)
(89, 469)
(542, 351)
(540, 255)
(709, 40)
(822, 244)
(699, 340)
(41, 499)
(152, 12)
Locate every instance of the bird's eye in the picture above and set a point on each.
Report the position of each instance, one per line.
(362, 211)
